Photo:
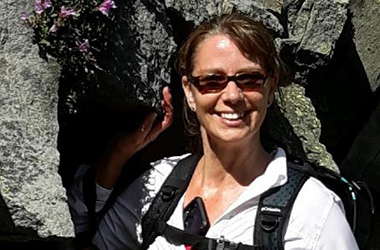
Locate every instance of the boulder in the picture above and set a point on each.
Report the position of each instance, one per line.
(33, 199)
(365, 20)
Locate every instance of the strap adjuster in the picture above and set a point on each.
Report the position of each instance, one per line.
(222, 244)
(168, 193)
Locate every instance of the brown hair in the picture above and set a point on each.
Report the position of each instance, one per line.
(251, 37)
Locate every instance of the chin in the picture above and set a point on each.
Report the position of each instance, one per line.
(233, 137)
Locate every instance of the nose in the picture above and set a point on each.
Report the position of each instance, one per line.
(232, 93)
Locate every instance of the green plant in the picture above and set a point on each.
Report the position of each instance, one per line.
(72, 32)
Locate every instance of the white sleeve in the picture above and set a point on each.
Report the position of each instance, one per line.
(78, 208)
(120, 227)
(336, 233)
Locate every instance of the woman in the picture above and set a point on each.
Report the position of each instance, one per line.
(230, 70)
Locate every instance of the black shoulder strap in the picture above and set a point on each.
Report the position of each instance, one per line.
(275, 206)
(167, 198)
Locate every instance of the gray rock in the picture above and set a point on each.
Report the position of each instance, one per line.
(366, 22)
(300, 112)
(197, 11)
(314, 27)
(363, 160)
(138, 58)
(134, 62)
(29, 181)
(363, 164)
(136, 66)
(274, 5)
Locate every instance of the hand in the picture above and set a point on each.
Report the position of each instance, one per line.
(123, 147)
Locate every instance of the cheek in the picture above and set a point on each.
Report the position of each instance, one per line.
(258, 100)
(205, 102)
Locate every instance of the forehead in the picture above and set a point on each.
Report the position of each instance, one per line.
(220, 53)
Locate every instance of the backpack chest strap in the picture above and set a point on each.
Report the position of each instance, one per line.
(178, 237)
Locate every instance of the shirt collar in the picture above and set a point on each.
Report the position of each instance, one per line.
(276, 171)
(274, 175)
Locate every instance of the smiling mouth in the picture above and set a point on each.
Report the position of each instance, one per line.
(231, 116)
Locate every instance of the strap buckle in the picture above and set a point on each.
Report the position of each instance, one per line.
(222, 244)
(270, 218)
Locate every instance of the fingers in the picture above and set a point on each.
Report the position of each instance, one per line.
(147, 132)
(166, 103)
(168, 107)
(168, 117)
(147, 124)
(125, 145)
(167, 96)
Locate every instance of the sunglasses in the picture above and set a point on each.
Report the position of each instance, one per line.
(214, 83)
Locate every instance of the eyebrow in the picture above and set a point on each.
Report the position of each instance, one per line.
(242, 70)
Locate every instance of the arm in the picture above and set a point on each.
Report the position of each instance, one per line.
(110, 164)
(336, 233)
(120, 227)
(117, 228)
(123, 147)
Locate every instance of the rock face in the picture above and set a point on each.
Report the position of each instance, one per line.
(136, 66)
(362, 161)
(138, 57)
(329, 114)
(313, 30)
(366, 37)
(30, 185)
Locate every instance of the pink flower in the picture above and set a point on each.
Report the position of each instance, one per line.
(41, 5)
(106, 6)
(24, 17)
(46, 4)
(83, 47)
(65, 12)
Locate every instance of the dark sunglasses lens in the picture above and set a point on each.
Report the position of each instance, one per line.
(212, 83)
(250, 81)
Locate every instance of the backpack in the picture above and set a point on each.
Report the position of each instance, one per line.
(273, 210)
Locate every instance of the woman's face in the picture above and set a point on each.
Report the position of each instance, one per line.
(230, 115)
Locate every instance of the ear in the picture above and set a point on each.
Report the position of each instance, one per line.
(188, 93)
(272, 90)
(270, 98)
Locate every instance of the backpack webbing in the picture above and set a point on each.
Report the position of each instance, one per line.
(271, 218)
(167, 198)
(274, 209)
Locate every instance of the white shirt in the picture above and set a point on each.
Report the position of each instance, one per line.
(317, 220)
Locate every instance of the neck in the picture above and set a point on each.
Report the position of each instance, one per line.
(234, 162)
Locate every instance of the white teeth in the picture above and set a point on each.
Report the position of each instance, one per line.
(231, 116)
